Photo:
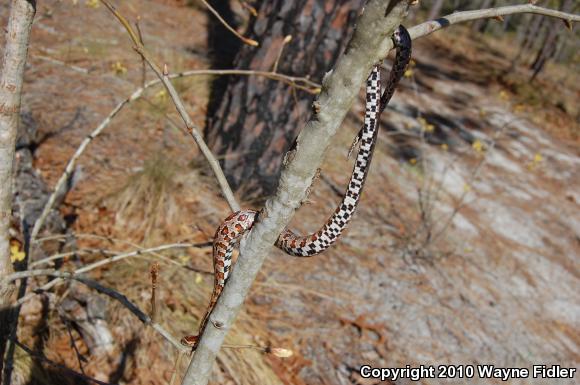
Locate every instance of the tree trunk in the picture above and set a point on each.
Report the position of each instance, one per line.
(548, 48)
(435, 10)
(546, 52)
(15, 51)
(257, 119)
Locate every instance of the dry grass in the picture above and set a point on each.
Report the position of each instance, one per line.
(147, 204)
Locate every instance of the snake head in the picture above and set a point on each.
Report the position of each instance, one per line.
(401, 38)
(245, 218)
(397, 35)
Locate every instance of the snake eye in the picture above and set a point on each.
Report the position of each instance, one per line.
(243, 217)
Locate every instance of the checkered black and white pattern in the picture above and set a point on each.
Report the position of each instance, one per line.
(239, 222)
(316, 243)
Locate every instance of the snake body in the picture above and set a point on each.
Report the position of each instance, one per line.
(238, 223)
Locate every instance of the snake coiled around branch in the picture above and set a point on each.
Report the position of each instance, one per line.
(238, 223)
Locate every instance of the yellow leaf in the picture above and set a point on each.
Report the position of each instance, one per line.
(161, 96)
(444, 147)
(466, 187)
(183, 258)
(504, 95)
(119, 68)
(413, 161)
(429, 128)
(408, 73)
(16, 255)
(478, 146)
(538, 157)
(198, 279)
(93, 3)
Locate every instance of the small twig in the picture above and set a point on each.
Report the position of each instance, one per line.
(55, 257)
(278, 352)
(111, 240)
(250, 9)
(301, 83)
(176, 367)
(246, 40)
(72, 161)
(286, 40)
(154, 276)
(64, 64)
(73, 345)
(143, 64)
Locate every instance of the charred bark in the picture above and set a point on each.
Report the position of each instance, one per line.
(257, 119)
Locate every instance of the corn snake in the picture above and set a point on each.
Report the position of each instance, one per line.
(238, 223)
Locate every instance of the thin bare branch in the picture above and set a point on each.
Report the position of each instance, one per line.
(143, 64)
(431, 26)
(246, 40)
(61, 63)
(72, 161)
(100, 263)
(298, 82)
(249, 8)
(193, 130)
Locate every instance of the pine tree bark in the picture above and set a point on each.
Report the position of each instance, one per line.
(257, 119)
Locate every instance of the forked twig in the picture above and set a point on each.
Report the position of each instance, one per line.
(246, 40)
(95, 265)
(192, 129)
(301, 83)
